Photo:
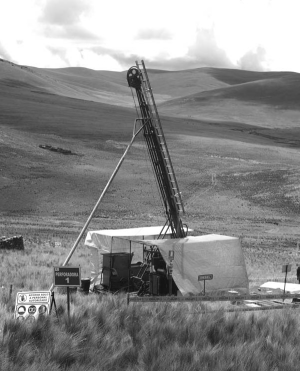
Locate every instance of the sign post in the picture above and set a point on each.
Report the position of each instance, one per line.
(285, 269)
(170, 270)
(204, 277)
(67, 277)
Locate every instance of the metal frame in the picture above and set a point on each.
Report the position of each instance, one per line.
(158, 151)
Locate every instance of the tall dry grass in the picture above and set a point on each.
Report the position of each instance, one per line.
(103, 333)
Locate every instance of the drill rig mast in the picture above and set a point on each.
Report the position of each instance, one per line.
(137, 78)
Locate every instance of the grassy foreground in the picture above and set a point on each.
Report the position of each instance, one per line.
(105, 334)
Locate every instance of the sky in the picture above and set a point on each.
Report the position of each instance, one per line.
(256, 35)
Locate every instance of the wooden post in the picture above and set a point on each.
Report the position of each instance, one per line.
(129, 271)
(68, 300)
(170, 275)
(286, 271)
(10, 291)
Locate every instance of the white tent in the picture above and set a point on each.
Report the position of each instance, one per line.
(214, 254)
(289, 287)
(120, 240)
(218, 255)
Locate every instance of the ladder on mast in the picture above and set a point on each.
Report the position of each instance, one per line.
(137, 77)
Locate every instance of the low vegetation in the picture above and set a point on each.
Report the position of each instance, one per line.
(104, 333)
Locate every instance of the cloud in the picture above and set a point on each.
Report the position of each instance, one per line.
(253, 60)
(203, 52)
(73, 56)
(4, 54)
(64, 12)
(206, 52)
(76, 32)
(150, 34)
(63, 20)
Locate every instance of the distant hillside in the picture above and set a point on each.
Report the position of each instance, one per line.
(111, 87)
(80, 83)
(216, 121)
(265, 99)
(234, 77)
(281, 91)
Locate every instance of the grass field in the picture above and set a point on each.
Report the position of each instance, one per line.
(105, 334)
(235, 152)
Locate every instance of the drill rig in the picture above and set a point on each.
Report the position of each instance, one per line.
(151, 271)
(155, 271)
(137, 78)
(118, 272)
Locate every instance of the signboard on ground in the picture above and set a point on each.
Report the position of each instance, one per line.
(31, 305)
(204, 277)
(286, 268)
(171, 255)
(66, 276)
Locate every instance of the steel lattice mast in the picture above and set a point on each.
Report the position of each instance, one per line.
(137, 78)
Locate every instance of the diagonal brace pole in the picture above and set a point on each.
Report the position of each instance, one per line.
(134, 135)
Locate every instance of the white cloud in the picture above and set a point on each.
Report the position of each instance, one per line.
(254, 60)
(150, 34)
(70, 32)
(206, 51)
(255, 34)
(64, 12)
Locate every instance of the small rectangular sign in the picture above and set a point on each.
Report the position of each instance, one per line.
(66, 276)
(205, 277)
(31, 305)
(33, 297)
(286, 268)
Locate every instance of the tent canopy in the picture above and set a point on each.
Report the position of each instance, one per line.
(214, 254)
(124, 240)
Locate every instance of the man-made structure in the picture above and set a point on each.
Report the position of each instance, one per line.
(164, 260)
(136, 259)
(15, 242)
(157, 147)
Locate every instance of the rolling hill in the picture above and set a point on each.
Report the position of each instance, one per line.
(234, 138)
(276, 96)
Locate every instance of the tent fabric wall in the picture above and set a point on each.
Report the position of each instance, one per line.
(214, 254)
(119, 240)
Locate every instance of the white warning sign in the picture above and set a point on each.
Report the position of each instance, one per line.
(31, 305)
(33, 297)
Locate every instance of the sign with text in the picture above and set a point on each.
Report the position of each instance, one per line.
(31, 305)
(171, 255)
(66, 276)
(286, 268)
(205, 277)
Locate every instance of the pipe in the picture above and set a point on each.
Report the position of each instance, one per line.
(101, 197)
